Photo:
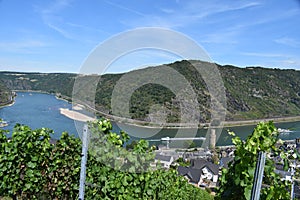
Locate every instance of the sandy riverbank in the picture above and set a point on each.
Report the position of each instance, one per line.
(78, 107)
(182, 126)
(143, 124)
(228, 124)
(256, 121)
(75, 115)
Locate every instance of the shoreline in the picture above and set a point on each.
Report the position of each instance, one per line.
(75, 115)
(7, 105)
(226, 124)
(12, 102)
(255, 121)
(62, 97)
(3, 123)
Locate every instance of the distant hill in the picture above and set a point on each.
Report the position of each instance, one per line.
(47, 82)
(6, 96)
(251, 93)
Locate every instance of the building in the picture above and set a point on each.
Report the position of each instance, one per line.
(164, 160)
(201, 173)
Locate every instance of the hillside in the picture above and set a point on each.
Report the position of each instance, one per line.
(47, 82)
(251, 93)
(6, 96)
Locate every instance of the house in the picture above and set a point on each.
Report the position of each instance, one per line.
(210, 171)
(164, 160)
(193, 175)
(201, 173)
(285, 175)
(225, 161)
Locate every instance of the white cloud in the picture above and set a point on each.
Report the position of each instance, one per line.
(51, 18)
(275, 60)
(187, 13)
(34, 65)
(269, 55)
(167, 10)
(288, 42)
(215, 7)
(53, 8)
(124, 8)
(25, 46)
(292, 63)
(60, 31)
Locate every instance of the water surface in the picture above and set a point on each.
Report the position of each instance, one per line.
(38, 110)
(43, 110)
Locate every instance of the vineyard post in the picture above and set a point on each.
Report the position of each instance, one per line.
(258, 176)
(85, 140)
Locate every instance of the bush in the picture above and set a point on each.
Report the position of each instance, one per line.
(33, 168)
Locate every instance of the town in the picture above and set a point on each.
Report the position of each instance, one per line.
(202, 167)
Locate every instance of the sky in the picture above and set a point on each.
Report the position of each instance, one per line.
(59, 35)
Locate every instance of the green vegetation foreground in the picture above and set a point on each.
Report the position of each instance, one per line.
(33, 168)
(236, 182)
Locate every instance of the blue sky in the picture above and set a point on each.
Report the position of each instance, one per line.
(58, 35)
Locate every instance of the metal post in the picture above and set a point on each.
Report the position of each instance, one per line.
(292, 174)
(258, 176)
(85, 141)
(168, 143)
(292, 190)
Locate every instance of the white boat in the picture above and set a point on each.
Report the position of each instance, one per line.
(284, 131)
(3, 124)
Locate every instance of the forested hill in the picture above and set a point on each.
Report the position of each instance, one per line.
(252, 92)
(6, 95)
(46, 82)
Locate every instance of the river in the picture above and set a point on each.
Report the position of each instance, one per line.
(38, 110)
(43, 110)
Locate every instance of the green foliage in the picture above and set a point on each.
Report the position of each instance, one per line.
(183, 163)
(23, 161)
(64, 168)
(237, 181)
(33, 168)
(108, 148)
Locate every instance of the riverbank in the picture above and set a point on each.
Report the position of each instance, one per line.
(76, 115)
(256, 121)
(225, 124)
(144, 124)
(11, 102)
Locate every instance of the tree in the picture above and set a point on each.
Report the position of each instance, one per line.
(130, 179)
(237, 181)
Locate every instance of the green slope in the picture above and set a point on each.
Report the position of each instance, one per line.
(6, 96)
(251, 93)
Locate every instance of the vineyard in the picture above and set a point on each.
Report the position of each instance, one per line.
(31, 167)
